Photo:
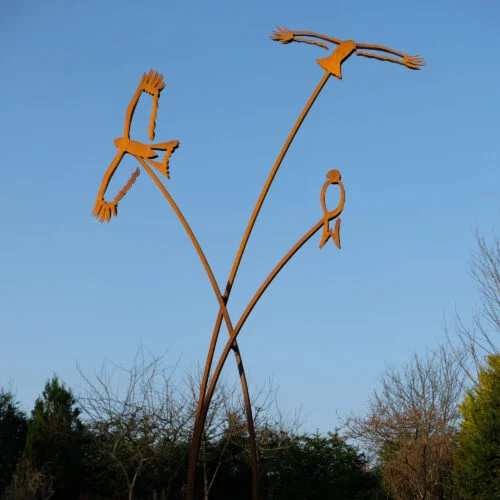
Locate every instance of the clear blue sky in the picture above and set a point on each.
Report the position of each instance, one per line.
(418, 150)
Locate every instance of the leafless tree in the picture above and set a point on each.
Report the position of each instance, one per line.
(132, 424)
(226, 428)
(481, 338)
(145, 421)
(410, 425)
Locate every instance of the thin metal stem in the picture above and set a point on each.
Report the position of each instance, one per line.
(193, 239)
(249, 308)
(199, 423)
(211, 277)
(298, 245)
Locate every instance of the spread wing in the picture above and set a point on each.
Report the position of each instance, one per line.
(285, 36)
(152, 83)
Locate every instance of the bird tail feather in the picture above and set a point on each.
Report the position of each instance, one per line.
(335, 235)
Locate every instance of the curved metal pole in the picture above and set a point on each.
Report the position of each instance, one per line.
(247, 312)
(211, 277)
(195, 444)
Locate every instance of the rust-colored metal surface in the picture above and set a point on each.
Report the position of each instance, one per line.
(146, 154)
(151, 83)
(332, 177)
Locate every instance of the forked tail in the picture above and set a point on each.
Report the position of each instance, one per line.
(328, 233)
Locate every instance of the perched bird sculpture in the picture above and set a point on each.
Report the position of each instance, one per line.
(151, 83)
(332, 177)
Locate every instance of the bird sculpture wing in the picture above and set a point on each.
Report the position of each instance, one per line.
(152, 83)
(285, 36)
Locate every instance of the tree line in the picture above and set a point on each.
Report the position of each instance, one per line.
(134, 443)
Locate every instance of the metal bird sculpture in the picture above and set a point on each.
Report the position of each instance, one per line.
(333, 63)
(332, 177)
(152, 83)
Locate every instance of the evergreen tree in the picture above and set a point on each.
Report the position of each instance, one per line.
(13, 427)
(478, 461)
(317, 466)
(55, 438)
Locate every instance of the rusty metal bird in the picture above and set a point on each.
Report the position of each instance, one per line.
(345, 48)
(332, 177)
(151, 83)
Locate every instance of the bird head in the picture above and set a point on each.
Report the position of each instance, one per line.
(333, 175)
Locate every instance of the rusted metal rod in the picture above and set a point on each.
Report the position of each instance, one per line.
(225, 314)
(198, 431)
(152, 83)
(248, 310)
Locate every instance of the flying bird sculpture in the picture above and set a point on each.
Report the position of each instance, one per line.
(152, 83)
(333, 63)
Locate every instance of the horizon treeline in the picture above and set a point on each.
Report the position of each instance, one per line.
(112, 444)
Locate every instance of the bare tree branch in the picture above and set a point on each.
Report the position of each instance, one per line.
(411, 422)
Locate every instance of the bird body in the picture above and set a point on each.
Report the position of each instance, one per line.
(333, 62)
(134, 147)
